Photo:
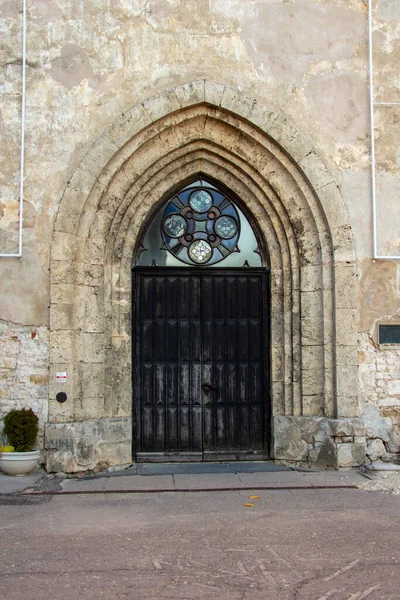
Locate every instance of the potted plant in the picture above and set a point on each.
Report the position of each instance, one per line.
(21, 428)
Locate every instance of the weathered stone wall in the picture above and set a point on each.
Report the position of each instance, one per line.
(24, 369)
(88, 64)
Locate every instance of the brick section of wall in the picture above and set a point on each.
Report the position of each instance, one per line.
(379, 378)
(24, 370)
(379, 373)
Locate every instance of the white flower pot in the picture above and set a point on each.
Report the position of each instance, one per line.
(19, 463)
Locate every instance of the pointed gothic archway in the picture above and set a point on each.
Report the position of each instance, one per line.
(211, 129)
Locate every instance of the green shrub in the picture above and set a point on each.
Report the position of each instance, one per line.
(21, 428)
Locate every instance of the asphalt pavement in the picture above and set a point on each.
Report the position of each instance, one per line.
(279, 544)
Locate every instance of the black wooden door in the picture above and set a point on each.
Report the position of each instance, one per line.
(200, 364)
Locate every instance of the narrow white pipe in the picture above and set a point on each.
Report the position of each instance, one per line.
(22, 151)
(372, 121)
(375, 254)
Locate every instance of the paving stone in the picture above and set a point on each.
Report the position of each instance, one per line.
(221, 480)
(13, 485)
(83, 485)
(139, 482)
(273, 479)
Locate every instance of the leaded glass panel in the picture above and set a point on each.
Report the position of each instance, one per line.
(200, 226)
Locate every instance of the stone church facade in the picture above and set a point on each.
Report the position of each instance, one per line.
(126, 104)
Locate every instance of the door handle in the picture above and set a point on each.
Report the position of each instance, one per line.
(208, 388)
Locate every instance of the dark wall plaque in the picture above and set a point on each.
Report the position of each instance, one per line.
(389, 334)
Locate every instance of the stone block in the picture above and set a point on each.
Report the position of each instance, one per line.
(315, 170)
(83, 179)
(343, 244)
(333, 205)
(310, 429)
(61, 317)
(62, 346)
(94, 309)
(311, 304)
(91, 347)
(311, 278)
(128, 125)
(213, 93)
(88, 409)
(70, 209)
(99, 155)
(375, 425)
(278, 362)
(313, 381)
(312, 333)
(350, 455)
(346, 327)
(313, 405)
(263, 117)
(278, 397)
(88, 381)
(347, 380)
(323, 455)
(347, 406)
(375, 449)
(90, 275)
(393, 445)
(63, 247)
(346, 286)
(94, 250)
(342, 427)
(97, 444)
(312, 357)
(288, 441)
(160, 105)
(119, 402)
(278, 332)
(346, 356)
(62, 293)
(236, 102)
(190, 93)
(393, 386)
(88, 212)
(391, 457)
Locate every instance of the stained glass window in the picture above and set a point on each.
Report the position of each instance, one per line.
(201, 225)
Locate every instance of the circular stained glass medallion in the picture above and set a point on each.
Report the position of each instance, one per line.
(200, 251)
(200, 201)
(226, 227)
(175, 226)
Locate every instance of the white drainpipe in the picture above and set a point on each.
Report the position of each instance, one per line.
(22, 152)
(372, 104)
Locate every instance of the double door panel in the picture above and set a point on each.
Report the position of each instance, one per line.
(199, 376)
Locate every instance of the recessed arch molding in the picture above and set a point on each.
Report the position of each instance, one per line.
(210, 129)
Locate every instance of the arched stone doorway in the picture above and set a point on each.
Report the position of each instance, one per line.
(200, 331)
(202, 128)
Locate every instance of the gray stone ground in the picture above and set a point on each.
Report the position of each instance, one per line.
(181, 477)
(385, 482)
(281, 544)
